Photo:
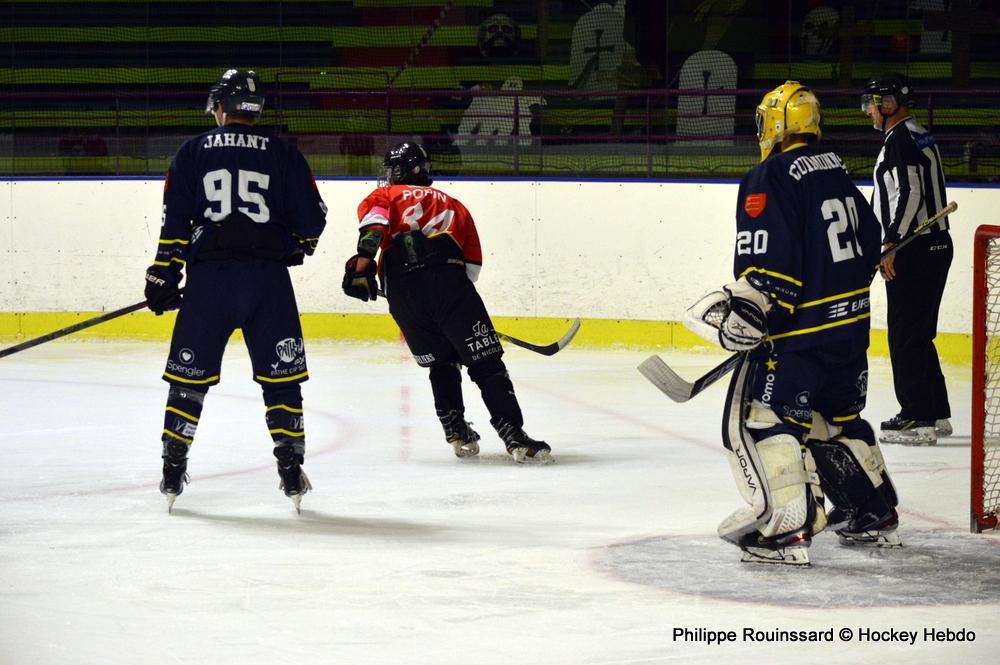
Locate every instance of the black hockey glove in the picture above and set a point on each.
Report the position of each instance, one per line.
(360, 285)
(296, 254)
(162, 292)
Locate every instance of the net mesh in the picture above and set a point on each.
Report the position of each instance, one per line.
(991, 376)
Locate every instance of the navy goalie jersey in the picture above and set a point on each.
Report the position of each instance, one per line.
(807, 238)
(235, 192)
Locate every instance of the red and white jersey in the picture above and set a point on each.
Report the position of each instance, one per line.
(402, 208)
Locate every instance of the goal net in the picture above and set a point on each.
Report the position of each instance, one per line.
(985, 493)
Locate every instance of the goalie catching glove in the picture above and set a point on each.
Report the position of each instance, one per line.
(735, 318)
(360, 284)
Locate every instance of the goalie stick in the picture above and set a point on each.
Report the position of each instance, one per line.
(676, 388)
(673, 386)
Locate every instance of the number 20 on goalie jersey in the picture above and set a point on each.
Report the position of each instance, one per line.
(807, 238)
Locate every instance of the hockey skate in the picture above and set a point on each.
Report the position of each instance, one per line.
(908, 431)
(459, 434)
(522, 447)
(294, 481)
(791, 549)
(870, 531)
(174, 472)
(942, 427)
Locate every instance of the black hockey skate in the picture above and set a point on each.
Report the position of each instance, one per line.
(520, 446)
(870, 530)
(909, 431)
(458, 433)
(294, 482)
(174, 471)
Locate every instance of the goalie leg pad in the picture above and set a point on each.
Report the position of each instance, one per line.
(769, 473)
(853, 474)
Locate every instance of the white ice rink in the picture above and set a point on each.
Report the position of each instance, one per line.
(404, 554)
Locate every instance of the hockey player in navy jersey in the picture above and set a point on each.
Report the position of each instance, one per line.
(239, 207)
(807, 246)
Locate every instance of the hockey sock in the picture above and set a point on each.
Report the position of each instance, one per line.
(446, 384)
(284, 416)
(180, 420)
(498, 392)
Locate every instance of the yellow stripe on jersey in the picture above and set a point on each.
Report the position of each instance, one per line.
(167, 263)
(800, 424)
(182, 414)
(284, 407)
(771, 273)
(825, 326)
(301, 375)
(839, 296)
(841, 419)
(174, 241)
(782, 303)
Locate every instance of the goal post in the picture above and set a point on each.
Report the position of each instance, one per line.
(985, 466)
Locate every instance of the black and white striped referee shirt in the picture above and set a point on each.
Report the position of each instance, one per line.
(909, 181)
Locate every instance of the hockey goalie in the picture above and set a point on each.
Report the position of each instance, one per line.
(807, 243)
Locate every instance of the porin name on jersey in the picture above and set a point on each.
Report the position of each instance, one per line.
(229, 140)
(809, 163)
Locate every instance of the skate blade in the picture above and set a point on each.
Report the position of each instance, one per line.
(520, 456)
(789, 556)
(297, 502)
(923, 436)
(465, 449)
(880, 540)
(908, 442)
(170, 502)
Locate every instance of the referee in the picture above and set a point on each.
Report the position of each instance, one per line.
(909, 189)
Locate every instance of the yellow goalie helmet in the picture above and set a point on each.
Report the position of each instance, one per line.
(791, 108)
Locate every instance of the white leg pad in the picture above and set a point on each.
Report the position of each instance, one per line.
(771, 478)
(869, 458)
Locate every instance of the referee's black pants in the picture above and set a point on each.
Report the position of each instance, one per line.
(914, 300)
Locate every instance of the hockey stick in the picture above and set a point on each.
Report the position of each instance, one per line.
(544, 349)
(947, 210)
(673, 386)
(62, 332)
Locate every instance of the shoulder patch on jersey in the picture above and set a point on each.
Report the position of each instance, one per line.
(754, 204)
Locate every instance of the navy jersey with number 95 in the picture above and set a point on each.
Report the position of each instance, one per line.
(238, 174)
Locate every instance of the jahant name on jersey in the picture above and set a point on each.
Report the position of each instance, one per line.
(808, 163)
(231, 140)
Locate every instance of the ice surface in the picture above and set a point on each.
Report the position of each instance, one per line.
(405, 554)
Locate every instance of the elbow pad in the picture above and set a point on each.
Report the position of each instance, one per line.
(369, 242)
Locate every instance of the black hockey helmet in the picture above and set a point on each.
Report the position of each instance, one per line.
(896, 86)
(407, 164)
(240, 93)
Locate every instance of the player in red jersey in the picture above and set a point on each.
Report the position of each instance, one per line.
(430, 257)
